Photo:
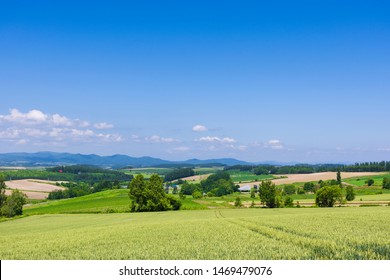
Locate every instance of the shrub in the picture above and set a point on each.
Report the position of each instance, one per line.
(288, 201)
(289, 189)
(176, 203)
(327, 196)
(350, 193)
(197, 194)
(253, 194)
(301, 191)
(238, 202)
(13, 205)
(369, 182)
(386, 183)
(308, 187)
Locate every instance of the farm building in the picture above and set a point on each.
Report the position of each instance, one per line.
(245, 188)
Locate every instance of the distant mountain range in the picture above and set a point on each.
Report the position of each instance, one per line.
(114, 161)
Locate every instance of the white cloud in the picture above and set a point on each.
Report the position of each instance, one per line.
(228, 140)
(22, 142)
(182, 149)
(9, 133)
(199, 128)
(60, 120)
(135, 138)
(274, 144)
(111, 137)
(34, 132)
(103, 125)
(79, 132)
(159, 139)
(39, 128)
(211, 139)
(242, 147)
(33, 116)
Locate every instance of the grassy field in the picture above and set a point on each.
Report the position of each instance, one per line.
(361, 181)
(100, 202)
(110, 201)
(305, 233)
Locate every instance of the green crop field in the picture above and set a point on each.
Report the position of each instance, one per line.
(305, 233)
(100, 202)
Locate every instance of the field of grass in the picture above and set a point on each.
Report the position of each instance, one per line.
(109, 201)
(100, 202)
(361, 181)
(305, 233)
(246, 176)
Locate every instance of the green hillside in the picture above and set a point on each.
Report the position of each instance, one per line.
(100, 202)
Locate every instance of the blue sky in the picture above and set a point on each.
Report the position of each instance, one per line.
(255, 80)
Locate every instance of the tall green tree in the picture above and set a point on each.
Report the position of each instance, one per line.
(309, 187)
(149, 195)
(13, 205)
(386, 183)
(3, 197)
(267, 193)
(349, 193)
(338, 177)
(328, 196)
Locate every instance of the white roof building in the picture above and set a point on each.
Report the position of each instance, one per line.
(245, 188)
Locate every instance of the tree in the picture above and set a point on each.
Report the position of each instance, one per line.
(290, 189)
(13, 205)
(267, 193)
(370, 182)
(288, 201)
(218, 184)
(260, 170)
(149, 195)
(309, 187)
(178, 174)
(328, 195)
(188, 188)
(350, 193)
(3, 186)
(238, 202)
(338, 179)
(197, 194)
(386, 183)
(253, 194)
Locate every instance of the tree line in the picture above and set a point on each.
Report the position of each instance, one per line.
(178, 174)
